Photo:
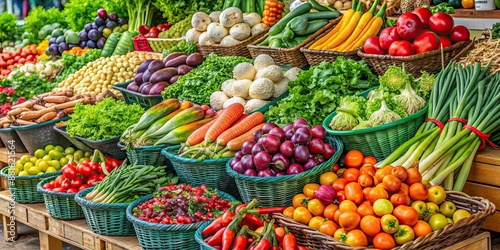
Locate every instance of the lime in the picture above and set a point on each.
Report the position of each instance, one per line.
(48, 148)
(17, 171)
(39, 153)
(34, 170)
(19, 165)
(69, 150)
(59, 148)
(88, 154)
(55, 155)
(43, 165)
(47, 158)
(55, 164)
(50, 170)
(82, 159)
(33, 160)
(24, 159)
(23, 173)
(40, 173)
(78, 154)
(27, 166)
(63, 161)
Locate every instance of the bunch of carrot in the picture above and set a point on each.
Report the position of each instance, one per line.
(353, 29)
(223, 136)
(249, 227)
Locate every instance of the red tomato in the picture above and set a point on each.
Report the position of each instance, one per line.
(424, 14)
(71, 190)
(82, 187)
(354, 192)
(408, 26)
(22, 60)
(372, 46)
(76, 182)
(30, 58)
(425, 42)
(66, 184)
(459, 33)
(400, 199)
(401, 48)
(339, 184)
(444, 41)
(84, 169)
(69, 171)
(58, 189)
(16, 58)
(406, 215)
(351, 175)
(58, 181)
(387, 37)
(441, 23)
(154, 30)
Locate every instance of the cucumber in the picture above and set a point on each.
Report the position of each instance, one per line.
(281, 24)
(124, 44)
(318, 6)
(110, 44)
(314, 26)
(287, 35)
(276, 43)
(321, 15)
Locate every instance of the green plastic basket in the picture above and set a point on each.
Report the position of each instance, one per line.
(105, 219)
(279, 191)
(146, 101)
(23, 188)
(198, 236)
(60, 205)
(147, 155)
(210, 172)
(77, 143)
(107, 146)
(379, 141)
(155, 236)
(273, 102)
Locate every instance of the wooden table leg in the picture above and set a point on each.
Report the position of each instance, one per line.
(47, 242)
(9, 229)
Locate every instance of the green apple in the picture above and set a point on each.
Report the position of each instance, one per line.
(421, 208)
(438, 221)
(432, 209)
(437, 194)
(447, 208)
(460, 214)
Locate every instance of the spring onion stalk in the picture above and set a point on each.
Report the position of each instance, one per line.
(139, 13)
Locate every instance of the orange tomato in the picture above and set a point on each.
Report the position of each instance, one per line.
(327, 178)
(365, 180)
(316, 222)
(405, 189)
(349, 220)
(351, 175)
(381, 172)
(365, 209)
(468, 4)
(370, 160)
(400, 172)
(384, 241)
(418, 192)
(414, 176)
(280, 233)
(259, 230)
(406, 215)
(340, 196)
(377, 193)
(368, 168)
(300, 200)
(391, 183)
(354, 192)
(422, 228)
(289, 212)
(328, 227)
(370, 225)
(400, 199)
(347, 205)
(302, 215)
(336, 216)
(356, 238)
(340, 234)
(366, 193)
(315, 207)
(354, 159)
(309, 189)
(339, 184)
(329, 211)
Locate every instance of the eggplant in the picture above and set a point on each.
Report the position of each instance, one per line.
(158, 88)
(163, 75)
(173, 55)
(144, 89)
(180, 60)
(138, 78)
(194, 59)
(144, 66)
(155, 65)
(146, 76)
(183, 69)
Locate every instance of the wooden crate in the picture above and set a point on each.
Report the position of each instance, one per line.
(483, 181)
(481, 241)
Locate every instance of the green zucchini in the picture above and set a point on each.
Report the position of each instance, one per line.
(110, 44)
(321, 15)
(314, 26)
(276, 43)
(318, 6)
(281, 24)
(288, 35)
(124, 44)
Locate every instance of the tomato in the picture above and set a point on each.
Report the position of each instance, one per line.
(340, 234)
(84, 169)
(76, 182)
(400, 199)
(383, 171)
(368, 169)
(369, 160)
(349, 220)
(438, 221)
(391, 183)
(340, 172)
(406, 215)
(382, 207)
(299, 200)
(418, 192)
(309, 189)
(444, 41)
(351, 175)
(69, 171)
(71, 190)
(422, 228)
(336, 216)
(329, 211)
(340, 196)
(408, 26)
(377, 193)
(387, 37)
(370, 225)
(82, 187)
(425, 42)
(405, 189)
(315, 207)
(339, 184)
(423, 14)
(22, 60)
(58, 189)
(336, 168)
(414, 176)
(459, 33)
(383, 241)
(302, 215)
(328, 227)
(401, 48)
(347, 205)
(327, 178)
(366, 194)
(389, 223)
(316, 222)
(400, 172)
(354, 159)
(356, 238)
(441, 23)
(66, 184)
(365, 180)
(289, 212)
(58, 181)
(354, 192)
(372, 46)
(468, 4)
(404, 234)
(365, 209)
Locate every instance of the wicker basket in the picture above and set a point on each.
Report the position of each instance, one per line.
(23, 188)
(147, 155)
(77, 143)
(198, 236)
(379, 141)
(160, 44)
(287, 56)
(238, 49)
(146, 101)
(165, 236)
(479, 208)
(105, 219)
(279, 191)
(60, 205)
(432, 61)
(10, 138)
(108, 146)
(211, 172)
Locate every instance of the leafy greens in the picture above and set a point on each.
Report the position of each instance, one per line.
(176, 10)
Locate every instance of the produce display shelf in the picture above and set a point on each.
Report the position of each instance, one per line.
(4, 161)
(53, 232)
(472, 13)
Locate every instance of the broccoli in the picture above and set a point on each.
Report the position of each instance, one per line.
(425, 84)
(394, 79)
(375, 104)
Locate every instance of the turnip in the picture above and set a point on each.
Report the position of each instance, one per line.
(193, 35)
(200, 21)
(258, 28)
(204, 39)
(240, 31)
(214, 16)
(230, 17)
(251, 19)
(228, 40)
(216, 32)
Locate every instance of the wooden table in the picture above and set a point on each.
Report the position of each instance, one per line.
(53, 231)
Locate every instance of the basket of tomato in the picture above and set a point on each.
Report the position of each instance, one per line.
(170, 218)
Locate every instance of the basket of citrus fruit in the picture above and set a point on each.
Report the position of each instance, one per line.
(24, 175)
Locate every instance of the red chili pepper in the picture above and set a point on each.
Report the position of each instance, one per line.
(302, 248)
(217, 238)
(208, 239)
(252, 248)
(228, 236)
(265, 241)
(240, 242)
(276, 244)
(289, 241)
(239, 207)
(227, 217)
(266, 210)
(252, 219)
(280, 233)
(214, 227)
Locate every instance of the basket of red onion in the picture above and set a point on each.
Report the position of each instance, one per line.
(278, 162)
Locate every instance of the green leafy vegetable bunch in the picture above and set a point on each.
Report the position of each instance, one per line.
(187, 47)
(8, 26)
(176, 10)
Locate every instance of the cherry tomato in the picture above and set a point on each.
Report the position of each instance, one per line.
(349, 220)
(384, 241)
(71, 190)
(315, 207)
(309, 189)
(370, 225)
(82, 187)
(351, 175)
(58, 189)
(354, 192)
(58, 181)
(302, 215)
(76, 182)
(354, 159)
(406, 215)
(418, 192)
(340, 196)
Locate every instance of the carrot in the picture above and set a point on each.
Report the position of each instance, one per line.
(185, 105)
(236, 143)
(228, 116)
(198, 135)
(240, 128)
(243, 116)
